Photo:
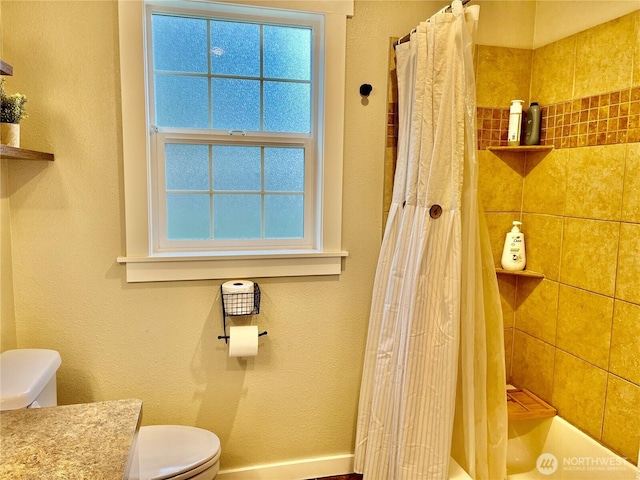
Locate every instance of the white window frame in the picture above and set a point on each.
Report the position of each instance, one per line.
(324, 257)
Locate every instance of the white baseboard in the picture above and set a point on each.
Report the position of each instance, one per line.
(297, 470)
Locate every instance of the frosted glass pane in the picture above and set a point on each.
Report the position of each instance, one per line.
(236, 104)
(235, 49)
(181, 101)
(236, 168)
(287, 53)
(284, 169)
(187, 216)
(237, 217)
(187, 166)
(179, 44)
(287, 107)
(284, 216)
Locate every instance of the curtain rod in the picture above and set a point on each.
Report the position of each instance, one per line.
(445, 9)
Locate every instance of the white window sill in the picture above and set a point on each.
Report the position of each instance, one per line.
(196, 266)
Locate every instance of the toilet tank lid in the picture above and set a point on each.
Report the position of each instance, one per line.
(23, 375)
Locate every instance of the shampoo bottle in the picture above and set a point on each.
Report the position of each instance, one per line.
(515, 119)
(532, 136)
(513, 255)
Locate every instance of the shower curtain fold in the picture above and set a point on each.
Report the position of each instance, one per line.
(434, 362)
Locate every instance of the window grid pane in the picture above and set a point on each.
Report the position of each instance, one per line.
(275, 57)
(177, 43)
(235, 48)
(248, 192)
(188, 216)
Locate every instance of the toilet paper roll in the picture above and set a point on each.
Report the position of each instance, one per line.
(238, 297)
(237, 286)
(243, 341)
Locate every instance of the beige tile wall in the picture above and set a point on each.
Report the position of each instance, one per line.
(572, 338)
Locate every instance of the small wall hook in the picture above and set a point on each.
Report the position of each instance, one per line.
(365, 89)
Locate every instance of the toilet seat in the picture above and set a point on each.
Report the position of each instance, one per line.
(176, 452)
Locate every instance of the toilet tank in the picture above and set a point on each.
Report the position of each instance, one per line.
(28, 378)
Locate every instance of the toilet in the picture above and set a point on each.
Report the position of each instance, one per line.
(28, 378)
(164, 452)
(177, 452)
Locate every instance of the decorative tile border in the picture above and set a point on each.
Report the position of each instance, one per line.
(605, 119)
(493, 125)
(392, 124)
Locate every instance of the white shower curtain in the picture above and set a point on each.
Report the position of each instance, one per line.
(434, 381)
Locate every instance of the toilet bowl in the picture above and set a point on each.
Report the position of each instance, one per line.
(177, 452)
(164, 452)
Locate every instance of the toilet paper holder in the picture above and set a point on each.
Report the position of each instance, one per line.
(239, 304)
(226, 337)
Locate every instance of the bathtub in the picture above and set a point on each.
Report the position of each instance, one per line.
(528, 440)
(456, 472)
(321, 467)
(552, 448)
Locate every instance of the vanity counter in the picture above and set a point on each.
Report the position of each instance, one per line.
(85, 441)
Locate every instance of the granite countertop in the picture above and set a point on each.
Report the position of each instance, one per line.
(85, 441)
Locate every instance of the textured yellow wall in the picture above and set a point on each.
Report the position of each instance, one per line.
(551, 17)
(7, 314)
(157, 342)
(533, 23)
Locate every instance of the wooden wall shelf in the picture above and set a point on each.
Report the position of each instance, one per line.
(13, 153)
(520, 273)
(522, 148)
(5, 68)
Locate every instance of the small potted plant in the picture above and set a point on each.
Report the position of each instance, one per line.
(12, 110)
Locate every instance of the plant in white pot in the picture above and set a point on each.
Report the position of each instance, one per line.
(12, 110)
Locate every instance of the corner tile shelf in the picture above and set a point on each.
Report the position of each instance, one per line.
(524, 405)
(13, 153)
(522, 148)
(520, 273)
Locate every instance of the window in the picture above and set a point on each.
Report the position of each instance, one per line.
(238, 171)
(233, 107)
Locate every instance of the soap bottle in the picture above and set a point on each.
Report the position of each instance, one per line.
(532, 137)
(523, 127)
(515, 118)
(513, 254)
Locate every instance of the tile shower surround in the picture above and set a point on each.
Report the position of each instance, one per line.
(606, 119)
(572, 338)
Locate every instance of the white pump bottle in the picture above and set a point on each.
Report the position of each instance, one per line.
(513, 254)
(515, 119)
